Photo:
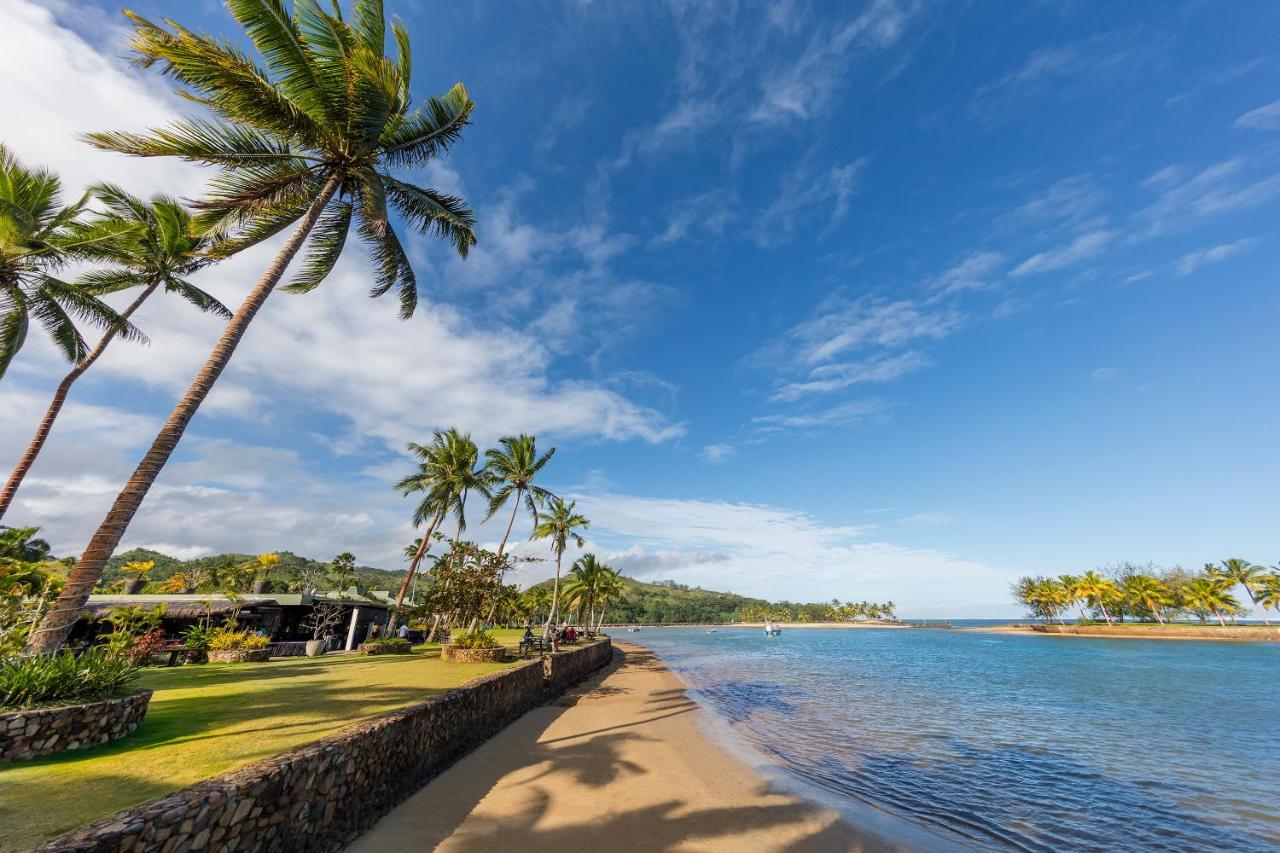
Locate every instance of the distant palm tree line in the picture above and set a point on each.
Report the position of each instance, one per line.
(307, 139)
(1148, 594)
(833, 611)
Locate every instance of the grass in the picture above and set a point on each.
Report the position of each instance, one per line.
(206, 720)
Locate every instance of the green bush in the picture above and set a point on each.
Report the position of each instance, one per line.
(64, 677)
(476, 640)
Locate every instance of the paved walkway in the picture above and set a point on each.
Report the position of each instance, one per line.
(618, 764)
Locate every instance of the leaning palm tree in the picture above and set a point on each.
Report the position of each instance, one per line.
(159, 246)
(559, 523)
(1148, 592)
(1248, 576)
(1097, 590)
(581, 586)
(609, 588)
(37, 239)
(1208, 595)
(1269, 593)
(307, 140)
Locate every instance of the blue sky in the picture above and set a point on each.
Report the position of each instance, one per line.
(892, 300)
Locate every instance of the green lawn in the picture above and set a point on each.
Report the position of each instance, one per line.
(205, 720)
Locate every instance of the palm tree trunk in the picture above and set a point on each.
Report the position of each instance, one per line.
(1221, 621)
(1156, 611)
(57, 625)
(59, 398)
(417, 559)
(555, 599)
(502, 547)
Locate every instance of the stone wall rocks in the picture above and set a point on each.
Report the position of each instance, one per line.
(27, 734)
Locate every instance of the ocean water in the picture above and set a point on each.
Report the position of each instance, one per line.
(1008, 741)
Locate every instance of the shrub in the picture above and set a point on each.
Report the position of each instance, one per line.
(227, 638)
(389, 643)
(476, 640)
(147, 645)
(64, 677)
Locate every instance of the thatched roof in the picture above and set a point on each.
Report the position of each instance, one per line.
(172, 609)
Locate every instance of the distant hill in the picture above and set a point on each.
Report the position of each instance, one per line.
(290, 567)
(667, 602)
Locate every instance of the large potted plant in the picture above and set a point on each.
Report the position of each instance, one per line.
(474, 647)
(229, 645)
(262, 571)
(322, 619)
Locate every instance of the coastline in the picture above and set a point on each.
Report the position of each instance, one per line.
(623, 762)
(1143, 632)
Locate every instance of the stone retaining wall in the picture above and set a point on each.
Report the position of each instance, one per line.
(239, 655)
(568, 668)
(321, 796)
(26, 734)
(453, 653)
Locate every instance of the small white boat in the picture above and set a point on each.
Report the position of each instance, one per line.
(634, 628)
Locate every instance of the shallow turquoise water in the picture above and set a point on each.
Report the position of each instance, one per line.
(998, 741)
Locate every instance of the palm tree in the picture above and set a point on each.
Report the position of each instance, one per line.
(1248, 576)
(512, 469)
(20, 544)
(581, 586)
(37, 238)
(1070, 585)
(306, 140)
(537, 599)
(609, 588)
(1208, 595)
(435, 479)
(158, 245)
(1097, 590)
(1269, 593)
(1148, 592)
(559, 523)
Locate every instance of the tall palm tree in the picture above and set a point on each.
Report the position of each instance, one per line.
(581, 586)
(1069, 585)
(308, 139)
(513, 468)
(609, 589)
(1149, 593)
(436, 479)
(37, 239)
(159, 246)
(1248, 576)
(1097, 590)
(559, 523)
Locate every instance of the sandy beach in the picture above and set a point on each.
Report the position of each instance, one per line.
(621, 763)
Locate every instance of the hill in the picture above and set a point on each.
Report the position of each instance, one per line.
(290, 568)
(667, 602)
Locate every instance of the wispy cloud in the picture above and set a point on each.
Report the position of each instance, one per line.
(1263, 118)
(1083, 247)
(972, 273)
(715, 453)
(1222, 188)
(805, 195)
(1067, 205)
(883, 367)
(1193, 261)
(846, 413)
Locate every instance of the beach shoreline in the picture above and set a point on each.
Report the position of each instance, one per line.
(623, 762)
(1143, 632)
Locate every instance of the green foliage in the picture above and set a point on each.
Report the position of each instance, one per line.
(64, 677)
(197, 639)
(220, 571)
(476, 639)
(389, 643)
(226, 638)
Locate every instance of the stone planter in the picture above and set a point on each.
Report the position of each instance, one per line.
(315, 648)
(239, 655)
(261, 586)
(394, 647)
(457, 655)
(133, 586)
(45, 731)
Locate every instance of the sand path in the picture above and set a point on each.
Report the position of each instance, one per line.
(618, 764)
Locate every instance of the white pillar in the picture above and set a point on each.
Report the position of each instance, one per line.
(351, 632)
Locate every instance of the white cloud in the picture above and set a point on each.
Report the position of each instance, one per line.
(972, 273)
(882, 367)
(1083, 247)
(1192, 261)
(1069, 204)
(715, 453)
(846, 413)
(928, 519)
(1263, 118)
(1222, 188)
(803, 195)
(777, 553)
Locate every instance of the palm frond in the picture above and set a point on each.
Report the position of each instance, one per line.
(201, 299)
(14, 323)
(429, 130)
(433, 213)
(58, 325)
(324, 248)
(214, 143)
(100, 282)
(279, 39)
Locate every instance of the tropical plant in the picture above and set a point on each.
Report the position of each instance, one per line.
(342, 569)
(1268, 594)
(64, 677)
(306, 140)
(559, 523)
(475, 639)
(449, 470)
(1045, 598)
(228, 638)
(581, 587)
(1205, 595)
(138, 568)
(1143, 592)
(1248, 576)
(159, 246)
(609, 588)
(37, 238)
(1097, 591)
(512, 471)
(21, 544)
